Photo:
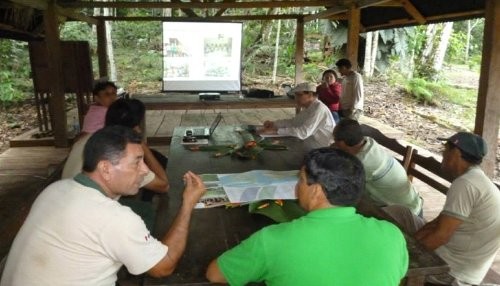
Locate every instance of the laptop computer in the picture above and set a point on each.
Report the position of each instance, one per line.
(204, 132)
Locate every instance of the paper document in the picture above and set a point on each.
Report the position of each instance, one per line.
(215, 195)
(259, 185)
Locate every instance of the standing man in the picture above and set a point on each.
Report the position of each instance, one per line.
(352, 97)
(77, 233)
(466, 234)
(314, 123)
(331, 245)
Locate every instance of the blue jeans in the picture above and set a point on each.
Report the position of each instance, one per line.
(336, 116)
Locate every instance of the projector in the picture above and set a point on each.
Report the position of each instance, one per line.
(209, 96)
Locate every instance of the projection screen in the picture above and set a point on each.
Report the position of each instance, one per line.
(201, 56)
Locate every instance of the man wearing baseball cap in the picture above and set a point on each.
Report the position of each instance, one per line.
(466, 234)
(314, 123)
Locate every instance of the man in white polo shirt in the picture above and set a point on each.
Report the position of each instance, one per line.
(314, 123)
(466, 234)
(77, 233)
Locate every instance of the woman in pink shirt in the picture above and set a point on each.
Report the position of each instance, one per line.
(329, 92)
(104, 95)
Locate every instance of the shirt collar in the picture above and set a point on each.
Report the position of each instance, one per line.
(332, 212)
(88, 182)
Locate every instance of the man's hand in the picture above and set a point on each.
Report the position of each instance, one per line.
(193, 190)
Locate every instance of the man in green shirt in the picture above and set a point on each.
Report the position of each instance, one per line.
(331, 245)
(386, 180)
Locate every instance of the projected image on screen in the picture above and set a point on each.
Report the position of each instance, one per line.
(201, 56)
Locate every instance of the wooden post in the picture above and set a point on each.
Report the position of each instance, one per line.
(56, 101)
(488, 101)
(102, 56)
(299, 51)
(353, 18)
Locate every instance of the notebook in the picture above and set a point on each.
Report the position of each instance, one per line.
(204, 132)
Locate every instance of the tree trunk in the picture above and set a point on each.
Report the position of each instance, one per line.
(276, 49)
(430, 33)
(467, 41)
(442, 46)
(374, 52)
(97, 12)
(166, 12)
(109, 47)
(368, 54)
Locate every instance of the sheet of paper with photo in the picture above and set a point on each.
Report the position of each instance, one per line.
(215, 195)
(259, 185)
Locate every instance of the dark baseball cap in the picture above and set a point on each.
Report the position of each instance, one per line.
(469, 143)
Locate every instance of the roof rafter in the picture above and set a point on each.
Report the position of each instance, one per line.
(343, 8)
(42, 5)
(200, 19)
(413, 11)
(200, 5)
(442, 18)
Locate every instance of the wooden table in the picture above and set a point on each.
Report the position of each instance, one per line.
(213, 231)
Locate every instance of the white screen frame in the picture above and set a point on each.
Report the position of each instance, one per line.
(202, 56)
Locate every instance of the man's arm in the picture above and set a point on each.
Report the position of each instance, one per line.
(176, 236)
(160, 182)
(214, 274)
(308, 122)
(438, 232)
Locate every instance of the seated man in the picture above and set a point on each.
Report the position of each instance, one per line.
(466, 234)
(313, 124)
(386, 180)
(122, 112)
(77, 233)
(331, 245)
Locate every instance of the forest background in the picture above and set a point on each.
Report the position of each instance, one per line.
(430, 72)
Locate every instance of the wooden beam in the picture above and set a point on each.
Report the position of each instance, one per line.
(443, 18)
(57, 101)
(36, 4)
(299, 51)
(488, 101)
(392, 3)
(187, 11)
(413, 11)
(368, 3)
(221, 11)
(76, 16)
(200, 19)
(353, 28)
(338, 9)
(338, 17)
(12, 29)
(42, 5)
(200, 5)
(102, 55)
(326, 13)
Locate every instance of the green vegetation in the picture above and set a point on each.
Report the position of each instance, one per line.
(419, 88)
(138, 54)
(14, 72)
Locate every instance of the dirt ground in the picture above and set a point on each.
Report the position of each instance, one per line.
(383, 102)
